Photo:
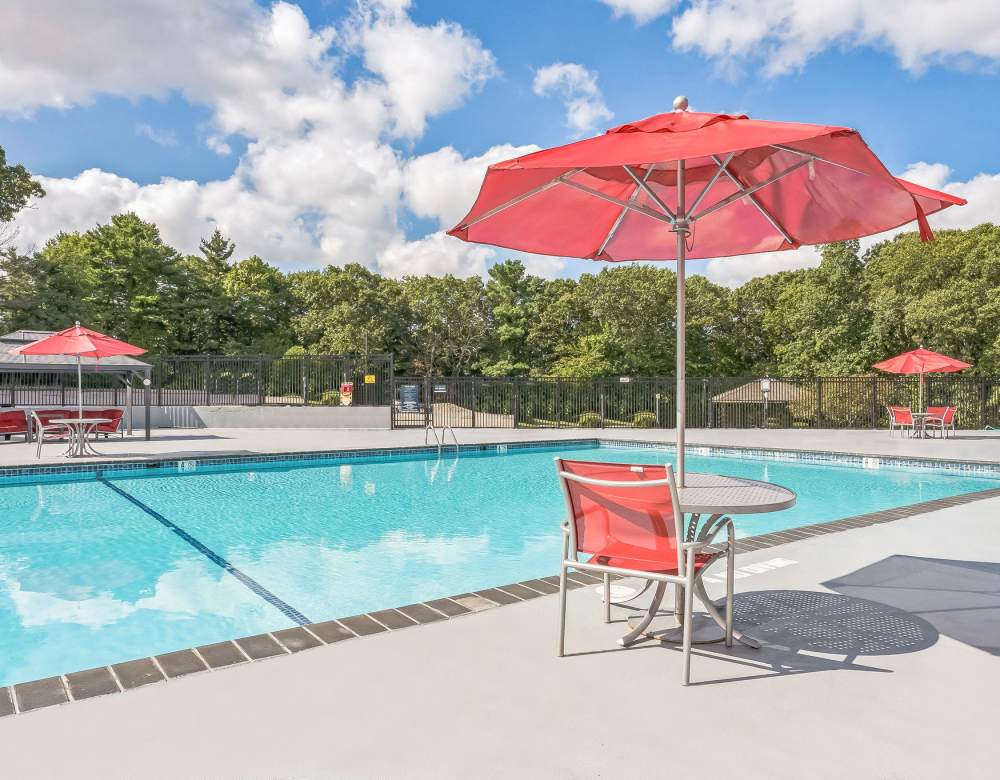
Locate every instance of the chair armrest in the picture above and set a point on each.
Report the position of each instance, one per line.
(696, 545)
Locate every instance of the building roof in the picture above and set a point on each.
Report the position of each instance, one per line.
(781, 393)
(10, 363)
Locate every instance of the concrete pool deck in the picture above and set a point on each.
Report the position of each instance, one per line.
(205, 442)
(881, 659)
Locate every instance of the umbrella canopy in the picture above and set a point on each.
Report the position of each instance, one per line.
(921, 361)
(80, 342)
(694, 185)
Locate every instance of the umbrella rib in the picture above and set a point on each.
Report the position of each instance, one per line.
(713, 180)
(522, 197)
(622, 213)
(753, 199)
(641, 183)
(813, 156)
(749, 190)
(619, 202)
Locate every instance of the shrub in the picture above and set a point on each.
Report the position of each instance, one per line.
(644, 420)
(590, 420)
(329, 398)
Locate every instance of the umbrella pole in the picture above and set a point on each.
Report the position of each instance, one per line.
(79, 388)
(680, 227)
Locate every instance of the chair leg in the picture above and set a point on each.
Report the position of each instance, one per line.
(562, 611)
(607, 598)
(730, 572)
(688, 609)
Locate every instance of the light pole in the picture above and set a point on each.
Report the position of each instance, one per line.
(765, 390)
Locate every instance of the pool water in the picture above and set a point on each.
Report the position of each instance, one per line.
(98, 571)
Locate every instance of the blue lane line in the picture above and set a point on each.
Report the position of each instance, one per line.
(286, 609)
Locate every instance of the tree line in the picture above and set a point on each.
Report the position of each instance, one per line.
(852, 310)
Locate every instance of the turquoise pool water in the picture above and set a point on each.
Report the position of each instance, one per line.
(100, 571)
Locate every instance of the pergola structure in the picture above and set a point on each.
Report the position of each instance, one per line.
(123, 368)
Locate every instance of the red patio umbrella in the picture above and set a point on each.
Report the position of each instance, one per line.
(81, 342)
(694, 185)
(921, 361)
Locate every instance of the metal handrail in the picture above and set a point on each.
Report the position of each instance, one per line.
(437, 441)
(440, 440)
(454, 438)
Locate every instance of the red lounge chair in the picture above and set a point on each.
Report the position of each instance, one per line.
(941, 418)
(900, 417)
(46, 430)
(626, 520)
(115, 415)
(12, 422)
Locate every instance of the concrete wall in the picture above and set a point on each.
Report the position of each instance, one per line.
(266, 417)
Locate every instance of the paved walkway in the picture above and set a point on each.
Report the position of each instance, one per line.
(881, 660)
(967, 445)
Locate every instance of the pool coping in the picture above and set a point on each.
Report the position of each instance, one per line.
(25, 697)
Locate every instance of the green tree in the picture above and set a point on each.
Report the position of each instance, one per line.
(216, 250)
(17, 190)
(261, 307)
(512, 296)
(447, 322)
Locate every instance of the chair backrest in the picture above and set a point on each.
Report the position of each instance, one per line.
(14, 419)
(621, 502)
(45, 416)
(949, 415)
(936, 411)
(901, 415)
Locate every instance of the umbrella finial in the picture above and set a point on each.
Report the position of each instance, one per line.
(680, 103)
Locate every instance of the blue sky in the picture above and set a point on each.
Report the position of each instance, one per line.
(141, 111)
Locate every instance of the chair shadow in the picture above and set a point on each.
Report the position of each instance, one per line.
(803, 632)
(961, 599)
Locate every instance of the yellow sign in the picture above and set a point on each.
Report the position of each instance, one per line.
(369, 379)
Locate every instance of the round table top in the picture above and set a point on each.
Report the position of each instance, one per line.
(80, 420)
(718, 494)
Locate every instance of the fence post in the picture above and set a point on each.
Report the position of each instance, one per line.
(62, 389)
(984, 397)
(515, 402)
(875, 414)
(600, 390)
(819, 402)
(305, 379)
(474, 400)
(558, 405)
(208, 374)
(428, 400)
(260, 380)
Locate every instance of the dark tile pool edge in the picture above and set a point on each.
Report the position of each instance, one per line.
(120, 677)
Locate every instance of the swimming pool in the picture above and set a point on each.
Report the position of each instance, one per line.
(101, 569)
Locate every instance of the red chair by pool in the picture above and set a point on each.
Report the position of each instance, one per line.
(45, 429)
(941, 418)
(12, 422)
(115, 415)
(900, 418)
(626, 520)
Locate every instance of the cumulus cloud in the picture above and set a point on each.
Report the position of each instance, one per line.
(641, 11)
(982, 192)
(577, 86)
(436, 254)
(319, 180)
(785, 34)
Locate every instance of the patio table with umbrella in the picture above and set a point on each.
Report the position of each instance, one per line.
(691, 185)
(80, 342)
(921, 361)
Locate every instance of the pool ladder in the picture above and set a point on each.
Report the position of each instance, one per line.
(440, 440)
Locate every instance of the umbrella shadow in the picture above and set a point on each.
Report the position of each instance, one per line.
(803, 632)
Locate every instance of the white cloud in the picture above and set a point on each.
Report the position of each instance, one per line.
(165, 138)
(436, 254)
(442, 185)
(641, 10)
(318, 181)
(982, 192)
(785, 34)
(578, 88)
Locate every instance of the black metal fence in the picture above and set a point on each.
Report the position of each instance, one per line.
(712, 402)
(267, 380)
(60, 389)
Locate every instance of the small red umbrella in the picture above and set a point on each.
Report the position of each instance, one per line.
(694, 185)
(921, 361)
(81, 342)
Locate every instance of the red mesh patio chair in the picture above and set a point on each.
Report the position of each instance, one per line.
(626, 520)
(46, 430)
(115, 415)
(12, 422)
(900, 418)
(940, 418)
